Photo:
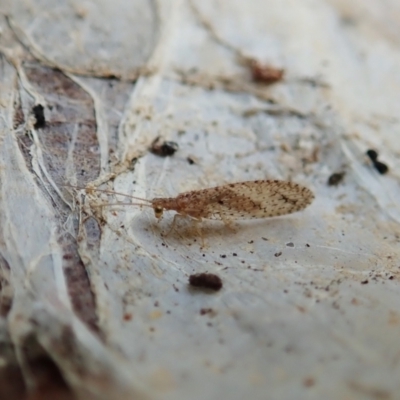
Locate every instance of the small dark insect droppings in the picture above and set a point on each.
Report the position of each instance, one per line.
(309, 382)
(264, 73)
(163, 149)
(372, 154)
(336, 178)
(381, 167)
(127, 316)
(307, 245)
(205, 281)
(278, 254)
(38, 113)
(364, 282)
(190, 160)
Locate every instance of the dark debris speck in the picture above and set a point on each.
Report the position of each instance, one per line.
(205, 281)
(38, 112)
(381, 167)
(163, 148)
(336, 178)
(372, 154)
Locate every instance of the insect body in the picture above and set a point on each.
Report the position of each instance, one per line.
(242, 200)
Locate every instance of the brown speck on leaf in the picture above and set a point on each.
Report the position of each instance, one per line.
(208, 311)
(205, 281)
(336, 178)
(264, 73)
(308, 382)
(38, 112)
(372, 154)
(163, 148)
(381, 167)
(175, 288)
(127, 316)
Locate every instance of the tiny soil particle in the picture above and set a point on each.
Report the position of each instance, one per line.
(205, 281)
(190, 160)
(278, 254)
(205, 311)
(234, 254)
(372, 154)
(364, 282)
(38, 112)
(308, 382)
(381, 167)
(290, 244)
(336, 178)
(163, 148)
(307, 245)
(127, 316)
(223, 256)
(391, 277)
(264, 73)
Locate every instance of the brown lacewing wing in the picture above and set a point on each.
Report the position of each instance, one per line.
(242, 200)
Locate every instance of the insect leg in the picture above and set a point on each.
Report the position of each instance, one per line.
(176, 216)
(228, 223)
(197, 224)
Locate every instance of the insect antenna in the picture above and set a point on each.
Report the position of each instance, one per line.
(122, 204)
(111, 192)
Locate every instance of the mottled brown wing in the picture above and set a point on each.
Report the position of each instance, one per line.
(252, 199)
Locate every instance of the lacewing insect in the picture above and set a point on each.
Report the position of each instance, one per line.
(242, 200)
